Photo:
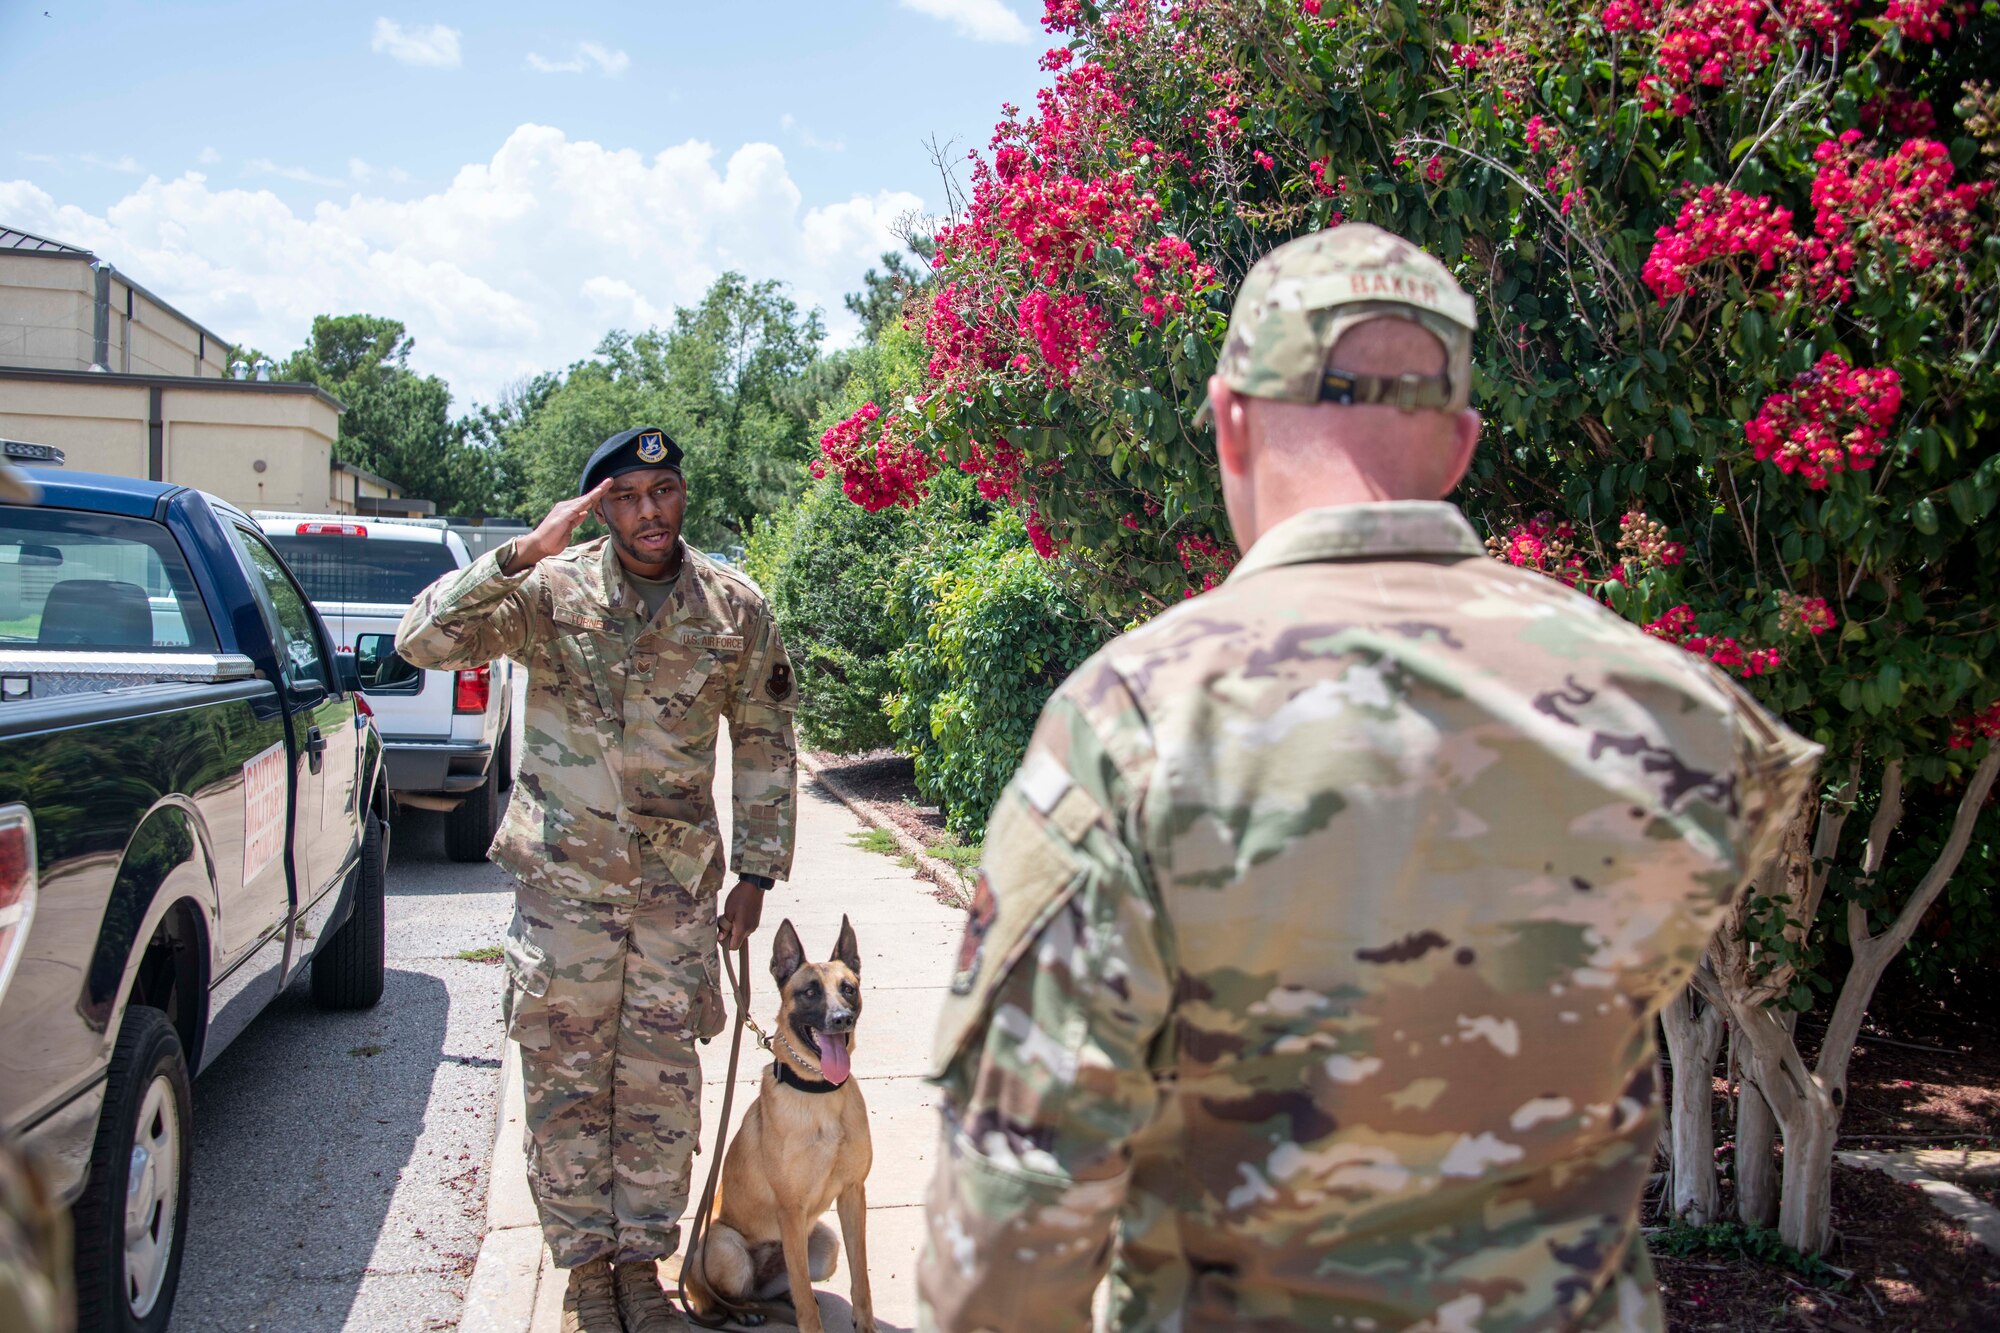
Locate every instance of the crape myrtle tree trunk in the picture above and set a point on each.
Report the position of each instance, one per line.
(1694, 1031)
(1738, 310)
(1807, 1101)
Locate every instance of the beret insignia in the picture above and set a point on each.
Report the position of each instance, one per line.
(652, 447)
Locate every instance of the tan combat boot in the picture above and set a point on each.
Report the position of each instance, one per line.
(642, 1304)
(590, 1305)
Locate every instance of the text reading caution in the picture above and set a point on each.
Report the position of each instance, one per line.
(263, 810)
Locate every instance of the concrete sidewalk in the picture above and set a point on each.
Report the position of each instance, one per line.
(907, 940)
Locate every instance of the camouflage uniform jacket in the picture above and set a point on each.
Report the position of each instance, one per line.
(622, 715)
(1318, 945)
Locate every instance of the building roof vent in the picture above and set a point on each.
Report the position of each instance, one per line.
(239, 370)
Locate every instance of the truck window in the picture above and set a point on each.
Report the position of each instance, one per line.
(300, 651)
(357, 569)
(96, 583)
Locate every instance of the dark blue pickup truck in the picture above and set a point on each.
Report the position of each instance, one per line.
(192, 814)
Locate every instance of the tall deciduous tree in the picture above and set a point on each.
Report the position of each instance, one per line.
(884, 293)
(722, 381)
(729, 362)
(397, 423)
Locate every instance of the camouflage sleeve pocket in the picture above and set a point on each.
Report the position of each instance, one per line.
(707, 1014)
(528, 977)
(1030, 870)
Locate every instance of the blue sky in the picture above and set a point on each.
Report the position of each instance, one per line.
(510, 180)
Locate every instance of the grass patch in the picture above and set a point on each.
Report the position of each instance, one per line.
(875, 840)
(907, 861)
(962, 857)
(485, 953)
(1682, 1239)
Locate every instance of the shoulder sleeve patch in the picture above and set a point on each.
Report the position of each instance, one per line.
(1028, 875)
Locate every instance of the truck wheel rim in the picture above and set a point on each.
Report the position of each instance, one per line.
(152, 1194)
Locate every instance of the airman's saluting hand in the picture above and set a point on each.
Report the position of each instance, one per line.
(552, 535)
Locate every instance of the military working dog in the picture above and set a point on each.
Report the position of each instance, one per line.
(803, 1147)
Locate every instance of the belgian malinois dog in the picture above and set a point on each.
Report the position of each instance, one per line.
(803, 1147)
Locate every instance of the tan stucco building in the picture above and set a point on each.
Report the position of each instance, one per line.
(124, 383)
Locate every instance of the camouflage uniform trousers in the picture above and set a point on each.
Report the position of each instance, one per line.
(606, 1001)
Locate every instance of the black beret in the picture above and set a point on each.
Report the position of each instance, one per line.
(630, 451)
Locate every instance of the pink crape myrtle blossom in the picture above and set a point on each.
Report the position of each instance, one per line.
(1834, 418)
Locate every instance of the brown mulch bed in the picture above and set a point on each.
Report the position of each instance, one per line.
(886, 782)
(1913, 1268)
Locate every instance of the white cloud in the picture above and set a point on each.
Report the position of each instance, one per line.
(519, 265)
(790, 124)
(436, 45)
(981, 20)
(621, 305)
(208, 157)
(362, 172)
(264, 166)
(588, 55)
(126, 163)
(46, 159)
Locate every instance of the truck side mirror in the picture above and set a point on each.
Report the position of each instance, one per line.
(381, 670)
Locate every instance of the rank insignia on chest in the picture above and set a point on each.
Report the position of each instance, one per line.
(779, 683)
(728, 643)
(652, 447)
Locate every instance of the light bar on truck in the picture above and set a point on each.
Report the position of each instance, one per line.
(333, 530)
(384, 520)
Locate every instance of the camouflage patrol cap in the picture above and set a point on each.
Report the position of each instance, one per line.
(1300, 299)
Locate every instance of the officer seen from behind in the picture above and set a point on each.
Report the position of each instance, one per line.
(1311, 978)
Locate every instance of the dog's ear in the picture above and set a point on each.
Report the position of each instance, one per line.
(787, 954)
(847, 949)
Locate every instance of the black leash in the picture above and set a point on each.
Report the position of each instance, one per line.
(739, 986)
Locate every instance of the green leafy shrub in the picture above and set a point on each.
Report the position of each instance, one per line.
(826, 564)
(987, 634)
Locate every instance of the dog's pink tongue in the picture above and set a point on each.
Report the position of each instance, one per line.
(833, 1056)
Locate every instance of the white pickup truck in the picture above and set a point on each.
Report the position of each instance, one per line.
(447, 736)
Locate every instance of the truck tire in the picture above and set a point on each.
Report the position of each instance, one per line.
(131, 1220)
(469, 830)
(347, 970)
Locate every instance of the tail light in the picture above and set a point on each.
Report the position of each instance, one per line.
(473, 690)
(361, 706)
(18, 885)
(333, 530)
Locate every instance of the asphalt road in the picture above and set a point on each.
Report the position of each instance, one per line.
(340, 1160)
